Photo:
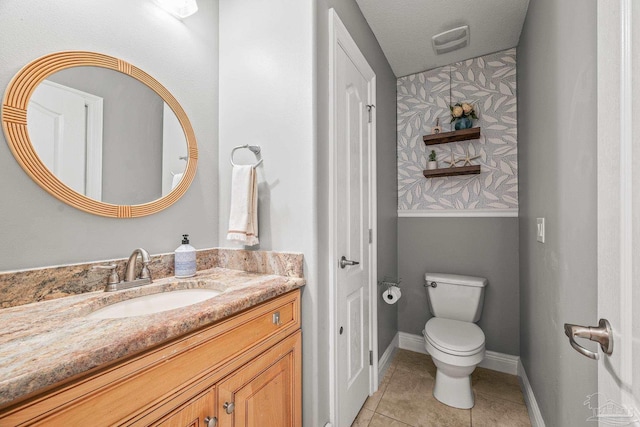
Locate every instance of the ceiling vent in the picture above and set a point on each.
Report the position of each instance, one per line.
(451, 40)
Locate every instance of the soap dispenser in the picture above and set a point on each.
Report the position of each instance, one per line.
(185, 259)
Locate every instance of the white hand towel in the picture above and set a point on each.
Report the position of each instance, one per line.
(176, 180)
(243, 218)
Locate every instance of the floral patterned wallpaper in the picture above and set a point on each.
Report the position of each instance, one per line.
(487, 82)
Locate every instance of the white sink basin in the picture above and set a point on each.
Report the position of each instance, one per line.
(155, 303)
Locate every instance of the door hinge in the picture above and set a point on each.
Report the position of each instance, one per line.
(370, 107)
(370, 235)
(370, 357)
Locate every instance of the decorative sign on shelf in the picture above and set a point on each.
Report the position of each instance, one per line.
(437, 128)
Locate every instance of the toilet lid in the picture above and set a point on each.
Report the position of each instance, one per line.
(454, 336)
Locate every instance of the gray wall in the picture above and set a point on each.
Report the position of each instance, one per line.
(557, 147)
(350, 14)
(132, 133)
(182, 55)
(485, 247)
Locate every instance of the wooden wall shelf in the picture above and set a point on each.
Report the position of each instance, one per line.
(456, 135)
(462, 170)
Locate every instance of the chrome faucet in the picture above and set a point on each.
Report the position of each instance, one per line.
(130, 279)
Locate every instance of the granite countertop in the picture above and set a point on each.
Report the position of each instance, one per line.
(46, 343)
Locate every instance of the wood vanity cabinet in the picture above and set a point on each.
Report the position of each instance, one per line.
(241, 371)
(261, 393)
(194, 413)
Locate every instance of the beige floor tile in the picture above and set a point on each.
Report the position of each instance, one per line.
(409, 398)
(363, 419)
(405, 398)
(394, 361)
(415, 362)
(388, 374)
(496, 412)
(382, 421)
(372, 401)
(497, 384)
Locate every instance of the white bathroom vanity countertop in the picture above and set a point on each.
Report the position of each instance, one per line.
(45, 343)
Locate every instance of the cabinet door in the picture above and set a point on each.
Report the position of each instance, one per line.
(266, 392)
(198, 412)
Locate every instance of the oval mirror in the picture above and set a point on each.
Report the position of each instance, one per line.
(99, 134)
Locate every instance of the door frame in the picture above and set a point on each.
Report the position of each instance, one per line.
(339, 37)
(616, 179)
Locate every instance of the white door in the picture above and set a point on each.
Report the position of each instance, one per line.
(619, 211)
(65, 128)
(353, 114)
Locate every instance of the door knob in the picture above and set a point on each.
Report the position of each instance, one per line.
(211, 422)
(344, 262)
(601, 334)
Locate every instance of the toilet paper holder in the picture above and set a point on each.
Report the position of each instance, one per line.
(393, 293)
(389, 282)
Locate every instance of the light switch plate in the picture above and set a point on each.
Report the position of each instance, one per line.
(540, 230)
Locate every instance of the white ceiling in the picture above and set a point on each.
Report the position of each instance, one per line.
(404, 29)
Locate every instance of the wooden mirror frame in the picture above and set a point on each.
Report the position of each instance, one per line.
(14, 123)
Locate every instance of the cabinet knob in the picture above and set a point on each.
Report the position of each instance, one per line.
(211, 421)
(229, 407)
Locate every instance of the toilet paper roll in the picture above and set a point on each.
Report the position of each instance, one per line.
(392, 295)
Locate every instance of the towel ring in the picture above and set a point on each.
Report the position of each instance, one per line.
(255, 149)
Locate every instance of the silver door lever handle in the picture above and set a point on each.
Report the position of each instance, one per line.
(601, 334)
(344, 262)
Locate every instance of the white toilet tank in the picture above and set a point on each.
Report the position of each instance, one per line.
(455, 297)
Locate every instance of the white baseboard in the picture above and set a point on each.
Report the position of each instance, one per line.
(387, 357)
(412, 342)
(500, 362)
(492, 360)
(532, 404)
(457, 213)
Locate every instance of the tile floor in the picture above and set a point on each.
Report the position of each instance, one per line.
(405, 398)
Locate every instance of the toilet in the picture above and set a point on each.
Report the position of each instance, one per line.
(454, 341)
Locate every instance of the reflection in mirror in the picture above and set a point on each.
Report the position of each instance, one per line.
(107, 135)
(93, 179)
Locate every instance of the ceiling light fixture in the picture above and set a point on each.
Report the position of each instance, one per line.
(450, 40)
(178, 8)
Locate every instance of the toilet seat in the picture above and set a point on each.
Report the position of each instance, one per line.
(454, 337)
